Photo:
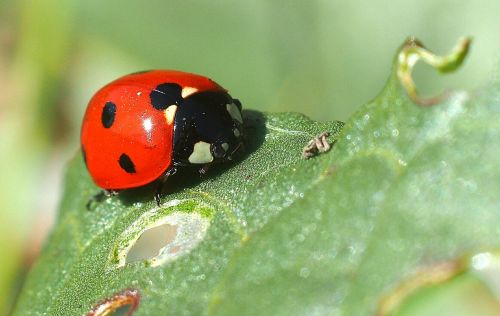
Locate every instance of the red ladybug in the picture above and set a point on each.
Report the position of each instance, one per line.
(141, 127)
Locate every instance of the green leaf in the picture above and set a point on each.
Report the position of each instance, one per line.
(404, 187)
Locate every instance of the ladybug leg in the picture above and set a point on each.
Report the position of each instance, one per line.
(240, 147)
(108, 193)
(99, 197)
(161, 182)
(204, 169)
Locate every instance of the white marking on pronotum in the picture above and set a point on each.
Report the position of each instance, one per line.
(236, 132)
(170, 114)
(225, 146)
(187, 91)
(234, 112)
(201, 153)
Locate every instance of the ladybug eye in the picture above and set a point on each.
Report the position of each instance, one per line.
(220, 150)
(165, 94)
(108, 114)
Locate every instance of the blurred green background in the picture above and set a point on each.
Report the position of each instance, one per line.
(322, 58)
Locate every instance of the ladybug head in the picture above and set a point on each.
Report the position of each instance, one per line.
(208, 128)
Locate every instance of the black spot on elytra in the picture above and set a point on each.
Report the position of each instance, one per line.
(108, 114)
(126, 163)
(84, 156)
(165, 95)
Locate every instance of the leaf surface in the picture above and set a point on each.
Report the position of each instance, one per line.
(404, 186)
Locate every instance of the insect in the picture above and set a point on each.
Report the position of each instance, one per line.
(142, 127)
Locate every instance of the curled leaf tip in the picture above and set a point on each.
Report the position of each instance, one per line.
(413, 50)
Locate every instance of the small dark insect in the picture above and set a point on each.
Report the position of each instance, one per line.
(317, 145)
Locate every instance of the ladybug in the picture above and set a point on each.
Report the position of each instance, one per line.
(142, 127)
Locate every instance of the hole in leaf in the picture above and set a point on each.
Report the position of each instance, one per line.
(121, 304)
(465, 287)
(163, 234)
(151, 242)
